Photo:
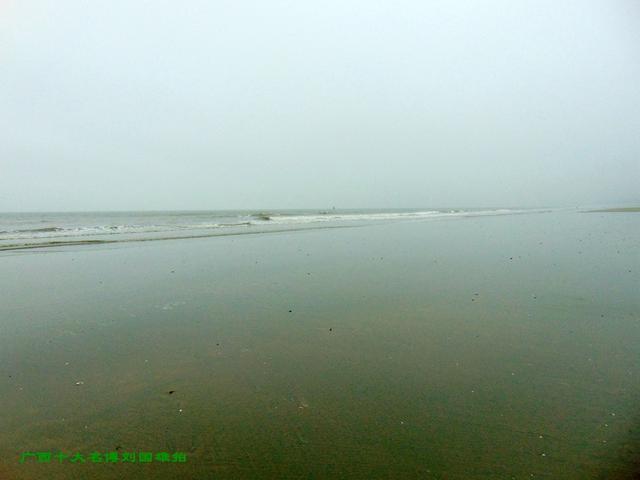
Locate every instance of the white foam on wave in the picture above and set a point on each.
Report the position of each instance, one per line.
(110, 230)
(255, 221)
(340, 217)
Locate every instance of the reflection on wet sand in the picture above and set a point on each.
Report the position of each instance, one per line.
(489, 348)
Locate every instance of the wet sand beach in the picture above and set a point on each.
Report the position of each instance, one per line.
(476, 348)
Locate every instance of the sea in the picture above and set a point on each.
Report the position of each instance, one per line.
(49, 229)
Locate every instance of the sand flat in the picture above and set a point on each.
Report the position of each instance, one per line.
(489, 348)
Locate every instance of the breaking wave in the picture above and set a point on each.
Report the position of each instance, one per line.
(27, 230)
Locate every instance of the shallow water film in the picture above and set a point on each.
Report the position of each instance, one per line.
(491, 347)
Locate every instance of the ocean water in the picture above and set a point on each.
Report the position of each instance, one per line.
(478, 347)
(23, 230)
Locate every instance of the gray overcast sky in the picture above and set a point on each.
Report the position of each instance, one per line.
(119, 105)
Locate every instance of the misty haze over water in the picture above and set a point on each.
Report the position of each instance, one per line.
(123, 106)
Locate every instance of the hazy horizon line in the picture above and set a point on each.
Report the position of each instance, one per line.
(336, 208)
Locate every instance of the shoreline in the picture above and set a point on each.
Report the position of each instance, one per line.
(615, 210)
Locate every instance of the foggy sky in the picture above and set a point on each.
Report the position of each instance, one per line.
(124, 105)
